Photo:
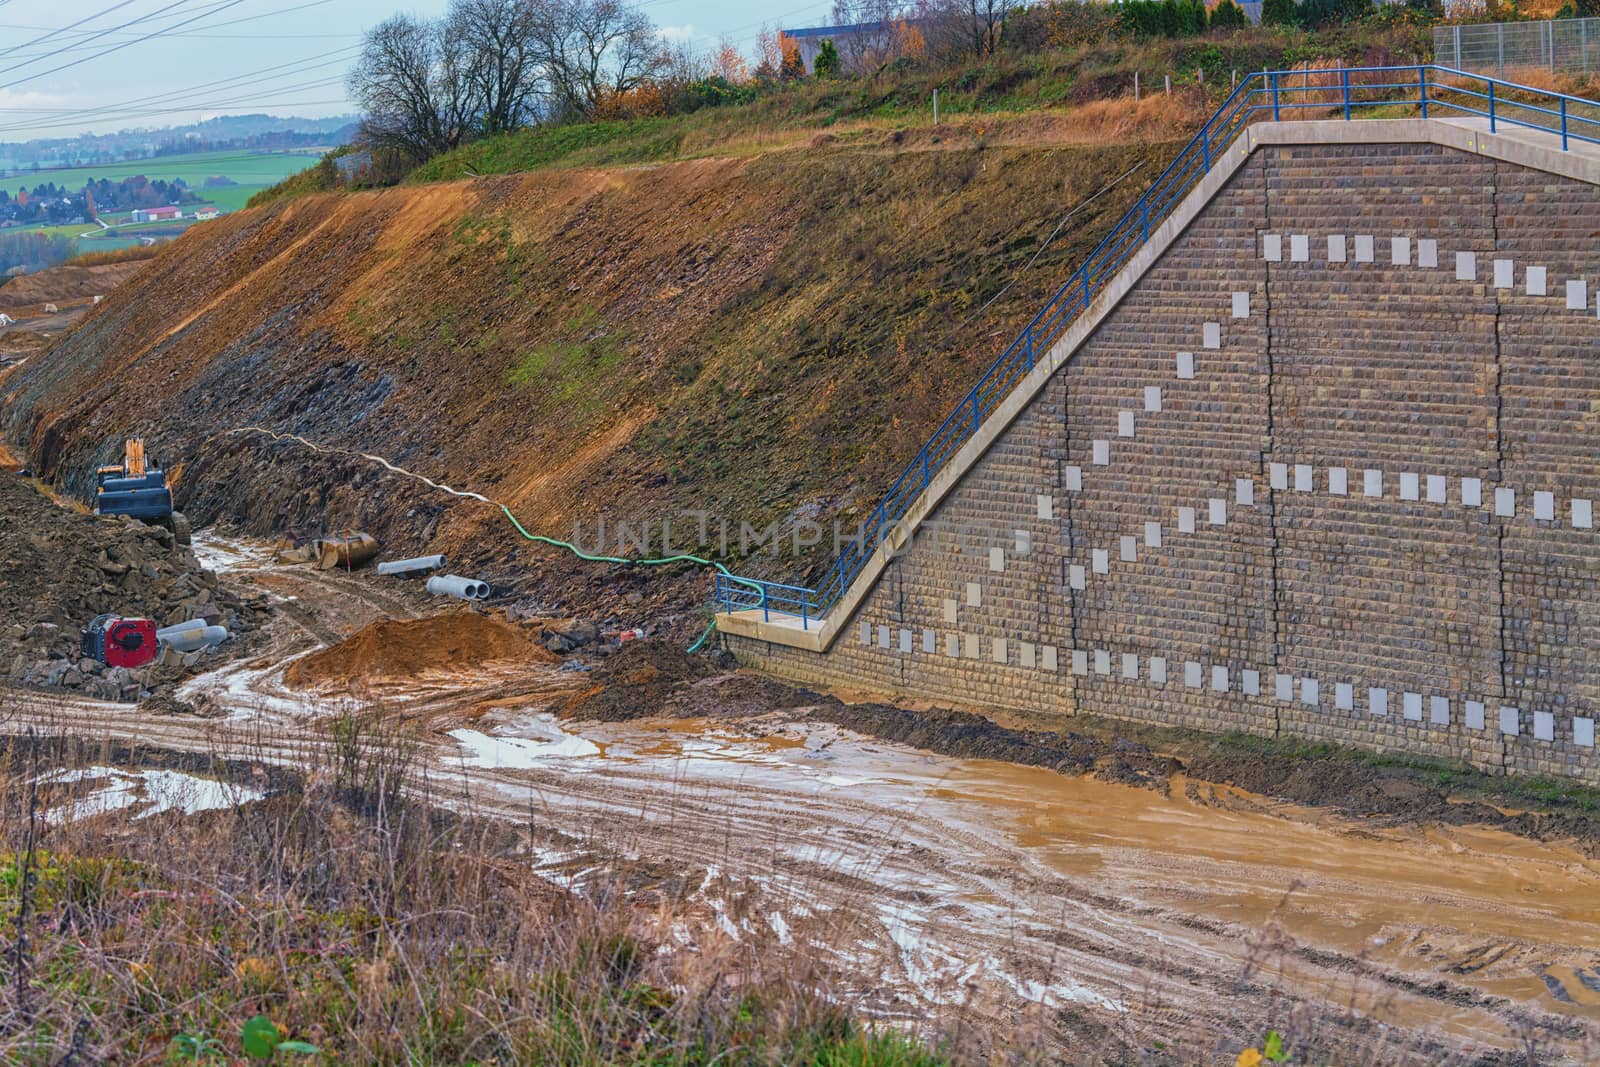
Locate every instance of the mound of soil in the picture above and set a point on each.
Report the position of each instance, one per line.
(739, 694)
(969, 736)
(1372, 792)
(657, 678)
(407, 648)
(638, 681)
(61, 284)
(59, 569)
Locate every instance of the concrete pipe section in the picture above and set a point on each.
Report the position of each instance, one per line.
(459, 587)
(412, 566)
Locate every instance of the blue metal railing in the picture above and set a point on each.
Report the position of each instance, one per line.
(1268, 95)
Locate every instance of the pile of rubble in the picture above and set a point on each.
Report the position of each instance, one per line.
(59, 569)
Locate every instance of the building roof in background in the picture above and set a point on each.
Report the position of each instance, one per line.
(844, 31)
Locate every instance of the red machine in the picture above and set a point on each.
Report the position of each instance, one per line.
(119, 642)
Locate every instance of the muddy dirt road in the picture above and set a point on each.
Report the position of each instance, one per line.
(1112, 916)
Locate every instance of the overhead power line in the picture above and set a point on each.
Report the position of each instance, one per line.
(255, 77)
(64, 29)
(118, 47)
(193, 34)
(88, 37)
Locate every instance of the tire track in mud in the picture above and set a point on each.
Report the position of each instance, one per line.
(1176, 964)
(1156, 962)
(922, 889)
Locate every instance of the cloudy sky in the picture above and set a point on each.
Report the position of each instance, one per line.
(68, 66)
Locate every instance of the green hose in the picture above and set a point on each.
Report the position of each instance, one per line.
(710, 627)
(581, 554)
(569, 546)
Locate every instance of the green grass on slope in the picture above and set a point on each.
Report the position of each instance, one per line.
(632, 141)
(1007, 85)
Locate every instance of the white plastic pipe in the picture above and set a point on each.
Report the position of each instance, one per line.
(177, 628)
(411, 566)
(195, 640)
(459, 587)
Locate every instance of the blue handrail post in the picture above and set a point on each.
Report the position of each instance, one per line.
(766, 615)
(1027, 344)
(1563, 124)
(977, 411)
(1144, 216)
(1273, 80)
(1491, 105)
(1422, 89)
(1345, 78)
(925, 475)
(1205, 150)
(805, 601)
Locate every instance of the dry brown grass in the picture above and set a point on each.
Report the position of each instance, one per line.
(359, 915)
(115, 255)
(361, 918)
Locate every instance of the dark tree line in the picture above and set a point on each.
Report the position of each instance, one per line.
(47, 202)
(33, 251)
(488, 66)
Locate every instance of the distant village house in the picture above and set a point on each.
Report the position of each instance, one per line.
(156, 214)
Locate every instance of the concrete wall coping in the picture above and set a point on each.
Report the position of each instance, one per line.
(1534, 149)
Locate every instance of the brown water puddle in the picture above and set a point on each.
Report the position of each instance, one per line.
(1478, 908)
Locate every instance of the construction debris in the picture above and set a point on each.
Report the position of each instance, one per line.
(348, 549)
(296, 546)
(64, 569)
(579, 634)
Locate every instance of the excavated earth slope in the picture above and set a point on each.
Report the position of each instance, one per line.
(65, 283)
(763, 339)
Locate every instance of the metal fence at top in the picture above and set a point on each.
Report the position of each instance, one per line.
(1500, 48)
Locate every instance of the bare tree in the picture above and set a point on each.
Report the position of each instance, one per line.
(491, 66)
(985, 19)
(769, 52)
(729, 63)
(412, 87)
(496, 41)
(882, 32)
(592, 49)
(958, 27)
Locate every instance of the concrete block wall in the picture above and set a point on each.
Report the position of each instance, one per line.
(1327, 472)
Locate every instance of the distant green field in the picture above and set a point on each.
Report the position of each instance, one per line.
(56, 231)
(232, 197)
(252, 170)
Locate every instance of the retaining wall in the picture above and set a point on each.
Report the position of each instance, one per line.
(1326, 471)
